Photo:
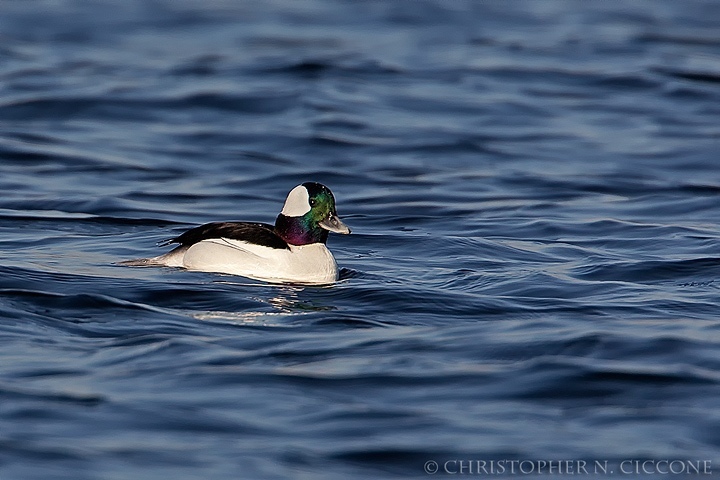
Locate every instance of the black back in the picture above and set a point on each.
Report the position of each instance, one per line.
(257, 233)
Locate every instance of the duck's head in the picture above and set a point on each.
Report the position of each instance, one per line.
(308, 215)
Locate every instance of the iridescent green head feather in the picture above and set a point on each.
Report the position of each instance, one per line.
(308, 215)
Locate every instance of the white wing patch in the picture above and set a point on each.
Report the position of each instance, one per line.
(297, 203)
(251, 248)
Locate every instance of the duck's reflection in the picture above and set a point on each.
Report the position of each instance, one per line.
(281, 308)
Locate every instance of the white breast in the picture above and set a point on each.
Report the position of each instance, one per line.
(301, 264)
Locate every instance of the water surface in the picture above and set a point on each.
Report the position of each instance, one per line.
(533, 270)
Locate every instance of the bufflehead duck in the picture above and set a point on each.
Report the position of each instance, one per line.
(293, 250)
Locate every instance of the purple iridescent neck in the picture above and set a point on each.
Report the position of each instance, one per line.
(299, 230)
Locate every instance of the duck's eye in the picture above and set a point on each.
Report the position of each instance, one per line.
(312, 202)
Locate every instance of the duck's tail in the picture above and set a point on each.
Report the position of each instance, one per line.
(141, 262)
(174, 258)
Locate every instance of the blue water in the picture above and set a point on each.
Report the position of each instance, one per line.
(534, 269)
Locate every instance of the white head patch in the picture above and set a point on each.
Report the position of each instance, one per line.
(297, 203)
